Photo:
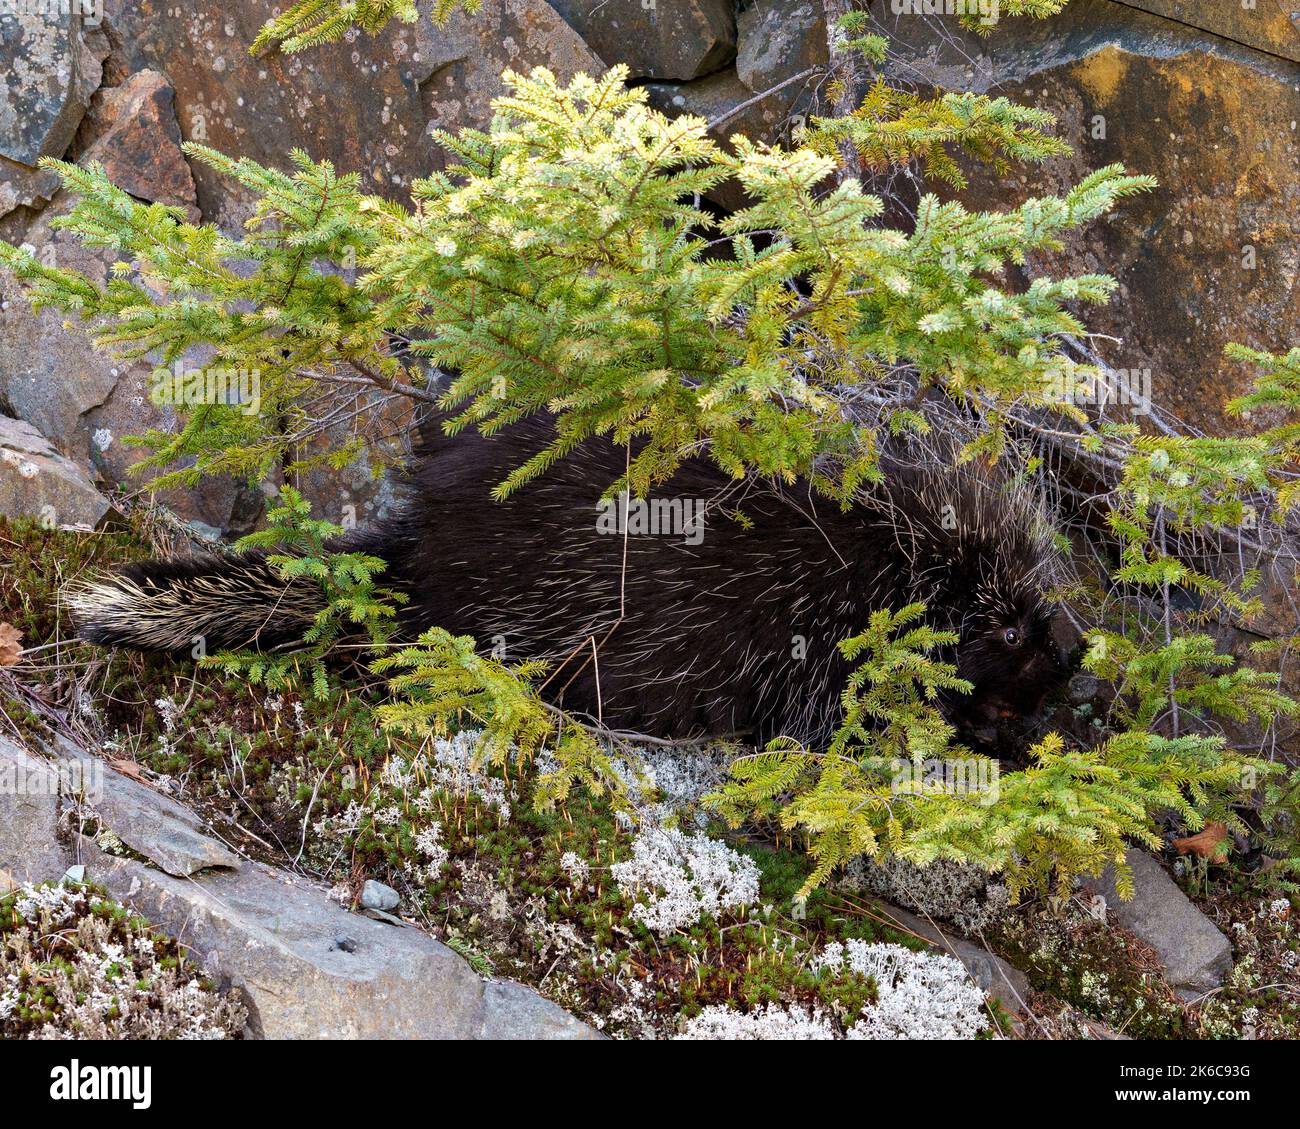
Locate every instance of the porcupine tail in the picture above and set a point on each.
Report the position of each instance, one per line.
(228, 601)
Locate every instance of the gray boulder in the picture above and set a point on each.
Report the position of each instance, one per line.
(152, 825)
(663, 39)
(36, 481)
(306, 968)
(375, 895)
(50, 65)
(30, 850)
(778, 39)
(1195, 954)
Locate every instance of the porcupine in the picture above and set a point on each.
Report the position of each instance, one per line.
(729, 628)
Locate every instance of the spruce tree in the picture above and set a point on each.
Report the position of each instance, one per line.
(563, 264)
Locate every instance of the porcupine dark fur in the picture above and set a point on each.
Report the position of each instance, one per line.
(734, 635)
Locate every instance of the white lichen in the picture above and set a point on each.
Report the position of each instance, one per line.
(674, 879)
(770, 1022)
(919, 996)
(73, 965)
(961, 893)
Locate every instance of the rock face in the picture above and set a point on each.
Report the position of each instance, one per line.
(663, 39)
(23, 187)
(29, 818)
(50, 65)
(1274, 28)
(1205, 97)
(464, 60)
(1211, 256)
(717, 99)
(138, 141)
(81, 399)
(36, 481)
(165, 832)
(49, 68)
(366, 103)
(1195, 954)
(777, 39)
(306, 968)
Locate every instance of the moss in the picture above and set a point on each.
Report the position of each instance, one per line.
(1102, 970)
(74, 963)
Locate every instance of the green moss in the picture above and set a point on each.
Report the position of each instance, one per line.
(1104, 971)
(76, 963)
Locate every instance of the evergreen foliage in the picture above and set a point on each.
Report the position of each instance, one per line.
(311, 23)
(352, 603)
(564, 264)
(560, 266)
(874, 791)
(892, 127)
(442, 683)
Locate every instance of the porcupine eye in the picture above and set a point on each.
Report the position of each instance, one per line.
(1011, 637)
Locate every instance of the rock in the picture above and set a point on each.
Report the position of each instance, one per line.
(1195, 954)
(50, 374)
(214, 506)
(50, 65)
(513, 1011)
(1224, 153)
(377, 896)
(155, 826)
(80, 398)
(365, 103)
(30, 850)
(362, 492)
(1095, 1029)
(777, 39)
(24, 187)
(664, 39)
(713, 99)
(1008, 985)
(1268, 27)
(270, 937)
(305, 966)
(1083, 688)
(276, 939)
(36, 481)
(138, 141)
(1210, 256)
(466, 56)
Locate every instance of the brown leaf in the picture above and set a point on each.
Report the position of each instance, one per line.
(1205, 843)
(11, 644)
(128, 768)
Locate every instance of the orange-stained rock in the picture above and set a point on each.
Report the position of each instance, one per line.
(138, 142)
